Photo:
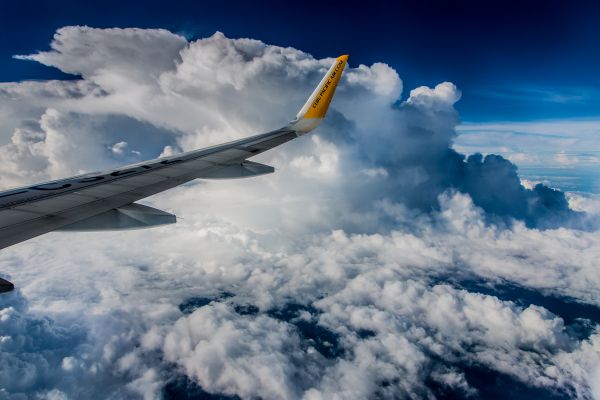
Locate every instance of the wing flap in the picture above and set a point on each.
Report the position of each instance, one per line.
(130, 216)
(245, 169)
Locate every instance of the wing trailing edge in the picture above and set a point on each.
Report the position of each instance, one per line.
(245, 169)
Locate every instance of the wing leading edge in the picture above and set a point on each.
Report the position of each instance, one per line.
(105, 200)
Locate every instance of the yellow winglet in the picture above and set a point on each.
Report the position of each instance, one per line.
(315, 108)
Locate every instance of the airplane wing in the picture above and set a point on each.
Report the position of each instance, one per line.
(106, 200)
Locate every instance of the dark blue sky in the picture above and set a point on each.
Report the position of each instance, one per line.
(521, 61)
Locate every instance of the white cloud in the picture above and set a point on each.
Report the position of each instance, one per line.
(378, 283)
(332, 232)
(442, 97)
(586, 202)
(379, 78)
(252, 356)
(119, 148)
(112, 57)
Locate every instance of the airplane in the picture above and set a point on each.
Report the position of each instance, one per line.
(107, 200)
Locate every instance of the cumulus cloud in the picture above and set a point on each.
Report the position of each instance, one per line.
(189, 88)
(338, 313)
(586, 202)
(119, 148)
(110, 57)
(371, 264)
(441, 97)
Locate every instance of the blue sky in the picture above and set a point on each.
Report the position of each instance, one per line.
(513, 62)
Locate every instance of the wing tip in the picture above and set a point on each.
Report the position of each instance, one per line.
(315, 108)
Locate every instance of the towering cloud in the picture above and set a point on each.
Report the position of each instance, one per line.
(376, 262)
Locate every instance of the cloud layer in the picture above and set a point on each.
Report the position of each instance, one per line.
(369, 265)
